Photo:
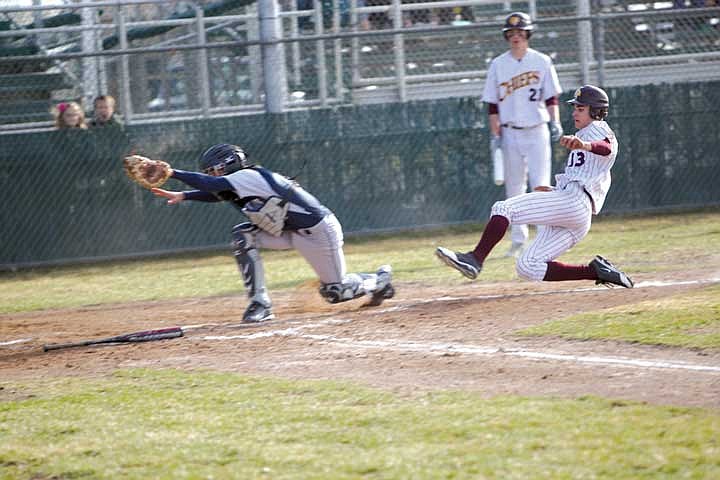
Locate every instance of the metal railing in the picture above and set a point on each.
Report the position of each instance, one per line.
(331, 63)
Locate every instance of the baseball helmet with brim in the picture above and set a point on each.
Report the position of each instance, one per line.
(593, 97)
(518, 21)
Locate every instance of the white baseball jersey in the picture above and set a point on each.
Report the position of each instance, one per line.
(520, 87)
(589, 169)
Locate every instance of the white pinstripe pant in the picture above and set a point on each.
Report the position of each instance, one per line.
(563, 218)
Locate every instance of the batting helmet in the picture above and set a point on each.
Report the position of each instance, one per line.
(518, 21)
(223, 159)
(593, 97)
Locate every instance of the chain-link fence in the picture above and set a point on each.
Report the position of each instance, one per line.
(217, 57)
(379, 167)
(377, 110)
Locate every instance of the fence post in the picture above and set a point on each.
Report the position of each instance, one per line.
(532, 9)
(203, 62)
(399, 48)
(124, 66)
(273, 56)
(337, 20)
(89, 64)
(584, 41)
(600, 50)
(354, 45)
(320, 53)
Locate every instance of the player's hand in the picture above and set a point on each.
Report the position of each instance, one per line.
(495, 142)
(571, 142)
(556, 131)
(543, 188)
(173, 197)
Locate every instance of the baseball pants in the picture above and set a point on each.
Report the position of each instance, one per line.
(563, 218)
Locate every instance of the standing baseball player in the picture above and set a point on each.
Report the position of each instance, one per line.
(282, 216)
(522, 91)
(562, 213)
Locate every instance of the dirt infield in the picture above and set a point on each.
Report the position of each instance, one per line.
(427, 337)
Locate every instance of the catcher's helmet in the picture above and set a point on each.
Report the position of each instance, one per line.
(518, 21)
(223, 159)
(593, 97)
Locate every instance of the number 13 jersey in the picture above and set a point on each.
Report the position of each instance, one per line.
(591, 170)
(520, 87)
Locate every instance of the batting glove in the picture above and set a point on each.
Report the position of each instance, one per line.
(556, 131)
(495, 143)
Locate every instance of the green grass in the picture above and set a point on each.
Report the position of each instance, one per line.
(690, 320)
(638, 244)
(143, 424)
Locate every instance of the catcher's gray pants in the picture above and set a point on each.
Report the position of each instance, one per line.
(321, 245)
(563, 218)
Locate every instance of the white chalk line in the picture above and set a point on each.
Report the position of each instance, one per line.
(646, 284)
(498, 296)
(285, 332)
(13, 342)
(449, 348)
(454, 348)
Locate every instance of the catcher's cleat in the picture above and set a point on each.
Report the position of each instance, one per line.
(465, 263)
(257, 312)
(384, 289)
(516, 249)
(608, 274)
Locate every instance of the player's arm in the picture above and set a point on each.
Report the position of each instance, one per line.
(490, 96)
(494, 119)
(174, 198)
(598, 147)
(553, 109)
(200, 181)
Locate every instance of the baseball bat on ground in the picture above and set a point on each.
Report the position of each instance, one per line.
(143, 336)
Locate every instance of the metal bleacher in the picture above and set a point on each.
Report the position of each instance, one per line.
(641, 43)
(27, 88)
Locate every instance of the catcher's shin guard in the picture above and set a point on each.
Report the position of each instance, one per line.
(249, 263)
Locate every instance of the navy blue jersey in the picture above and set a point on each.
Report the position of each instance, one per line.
(256, 183)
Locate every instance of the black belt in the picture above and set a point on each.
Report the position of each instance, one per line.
(507, 125)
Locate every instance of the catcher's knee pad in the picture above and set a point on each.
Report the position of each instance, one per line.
(351, 287)
(501, 208)
(244, 237)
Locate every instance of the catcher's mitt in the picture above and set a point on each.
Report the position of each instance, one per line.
(571, 142)
(146, 172)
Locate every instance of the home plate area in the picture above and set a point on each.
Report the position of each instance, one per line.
(427, 337)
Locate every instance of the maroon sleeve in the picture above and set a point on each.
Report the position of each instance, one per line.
(552, 101)
(601, 147)
(493, 109)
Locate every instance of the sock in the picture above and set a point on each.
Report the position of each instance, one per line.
(494, 232)
(560, 272)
